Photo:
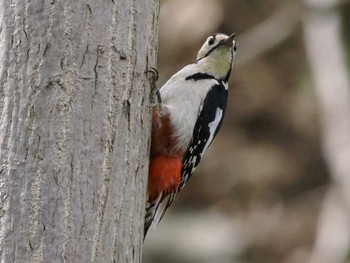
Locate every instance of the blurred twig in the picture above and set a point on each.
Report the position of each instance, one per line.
(322, 34)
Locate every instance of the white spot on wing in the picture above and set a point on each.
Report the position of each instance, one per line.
(194, 160)
(212, 128)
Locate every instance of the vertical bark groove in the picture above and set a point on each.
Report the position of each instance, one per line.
(131, 50)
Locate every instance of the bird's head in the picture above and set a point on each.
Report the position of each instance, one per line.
(216, 55)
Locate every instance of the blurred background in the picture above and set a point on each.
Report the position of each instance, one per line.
(274, 185)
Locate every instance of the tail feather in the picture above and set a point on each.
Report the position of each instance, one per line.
(151, 211)
(156, 209)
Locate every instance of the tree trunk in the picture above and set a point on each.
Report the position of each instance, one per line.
(74, 128)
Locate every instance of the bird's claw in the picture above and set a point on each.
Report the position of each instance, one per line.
(155, 74)
(155, 99)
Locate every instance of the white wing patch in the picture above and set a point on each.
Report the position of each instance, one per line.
(212, 128)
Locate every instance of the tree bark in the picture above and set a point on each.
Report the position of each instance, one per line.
(74, 128)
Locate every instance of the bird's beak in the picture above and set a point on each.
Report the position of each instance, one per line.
(229, 41)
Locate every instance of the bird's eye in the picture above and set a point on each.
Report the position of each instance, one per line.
(211, 41)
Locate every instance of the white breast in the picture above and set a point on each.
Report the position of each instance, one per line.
(182, 99)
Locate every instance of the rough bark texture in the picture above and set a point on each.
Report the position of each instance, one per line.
(74, 128)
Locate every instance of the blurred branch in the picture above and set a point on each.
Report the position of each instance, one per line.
(269, 33)
(322, 34)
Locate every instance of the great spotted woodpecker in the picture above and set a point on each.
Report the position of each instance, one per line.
(190, 109)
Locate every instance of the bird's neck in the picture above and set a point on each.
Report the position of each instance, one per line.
(217, 66)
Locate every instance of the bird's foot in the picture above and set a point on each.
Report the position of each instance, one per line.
(155, 98)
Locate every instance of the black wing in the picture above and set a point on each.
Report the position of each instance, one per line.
(207, 126)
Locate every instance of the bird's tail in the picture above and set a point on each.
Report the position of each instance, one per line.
(155, 210)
